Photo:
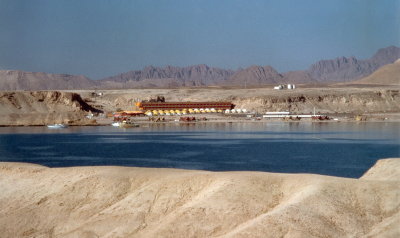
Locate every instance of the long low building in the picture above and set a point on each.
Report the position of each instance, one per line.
(183, 105)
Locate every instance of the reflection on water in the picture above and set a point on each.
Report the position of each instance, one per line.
(342, 149)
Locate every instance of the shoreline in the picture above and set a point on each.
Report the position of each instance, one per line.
(173, 120)
(49, 107)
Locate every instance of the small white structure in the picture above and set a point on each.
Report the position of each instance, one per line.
(283, 86)
(277, 113)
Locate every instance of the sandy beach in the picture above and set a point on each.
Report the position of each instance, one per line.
(37, 201)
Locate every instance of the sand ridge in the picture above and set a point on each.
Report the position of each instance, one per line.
(37, 201)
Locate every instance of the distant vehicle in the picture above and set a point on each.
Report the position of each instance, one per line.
(57, 126)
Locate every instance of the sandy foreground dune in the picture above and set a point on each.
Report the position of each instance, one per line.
(37, 201)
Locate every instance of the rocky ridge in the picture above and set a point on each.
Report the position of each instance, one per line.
(343, 69)
(196, 75)
(346, 69)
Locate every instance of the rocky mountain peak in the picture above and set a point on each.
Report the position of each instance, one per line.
(341, 69)
(350, 68)
(386, 55)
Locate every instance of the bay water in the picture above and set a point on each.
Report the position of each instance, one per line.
(329, 148)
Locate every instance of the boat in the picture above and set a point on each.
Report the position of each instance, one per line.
(116, 123)
(57, 126)
(128, 124)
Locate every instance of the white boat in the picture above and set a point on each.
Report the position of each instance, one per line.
(116, 123)
(57, 126)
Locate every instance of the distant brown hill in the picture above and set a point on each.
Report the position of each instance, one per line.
(170, 76)
(387, 75)
(343, 69)
(299, 76)
(255, 75)
(20, 80)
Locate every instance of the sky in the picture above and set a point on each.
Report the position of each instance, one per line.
(101, 38)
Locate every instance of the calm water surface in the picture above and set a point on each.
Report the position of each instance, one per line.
(340, 149)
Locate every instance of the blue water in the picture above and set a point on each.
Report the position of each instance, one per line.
(339, 149)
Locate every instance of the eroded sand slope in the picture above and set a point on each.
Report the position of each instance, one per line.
(42, 107)
(37, 201)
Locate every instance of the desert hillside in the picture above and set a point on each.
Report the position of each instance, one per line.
(386, 75)
(21, 80)
(301, 100)
(48, 107)
(42, 107)
(38, 201)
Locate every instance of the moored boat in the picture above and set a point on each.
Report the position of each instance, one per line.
(116, 123)
(57, 126)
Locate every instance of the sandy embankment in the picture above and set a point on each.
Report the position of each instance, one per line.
(36, 201)
(42, 108)
(48, 107)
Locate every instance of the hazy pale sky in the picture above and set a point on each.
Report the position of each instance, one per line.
(100, 38)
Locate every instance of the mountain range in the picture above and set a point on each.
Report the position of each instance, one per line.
(342, 69)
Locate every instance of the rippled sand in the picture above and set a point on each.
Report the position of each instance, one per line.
(37, 201)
